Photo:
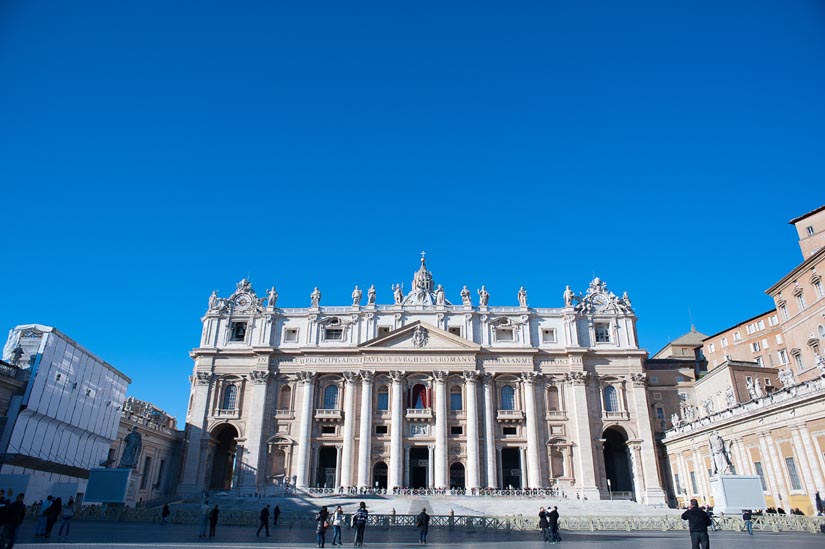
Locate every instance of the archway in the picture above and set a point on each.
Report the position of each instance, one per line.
(457, 476)
(327, 463)
(379, 475)
(511, 468)
(617, 465)
(223, 460)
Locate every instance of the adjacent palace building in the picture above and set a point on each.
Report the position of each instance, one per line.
(421, 393)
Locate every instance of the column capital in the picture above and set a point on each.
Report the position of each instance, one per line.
(530, 378)
(366, 375)
(470, 376)
(204, 378)
(306, 377)
(259, 377)
(575, 378)
(639, 379)
(397, 376)
(349, 377)
(487, 378)
(440, 376)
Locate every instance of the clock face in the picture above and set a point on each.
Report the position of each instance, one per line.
(599, 302)
(243, 301)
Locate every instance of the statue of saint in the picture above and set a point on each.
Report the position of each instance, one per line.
(315, 297)
(568, 297)
(465, 296)
(720, 460)
(674, 419)
(213, 300)
(397, 294)
(730, 397)
(483, 296)
(439, 295)
(356, 297)
(522, 297)
(16, 355)
(786, 377)
(371, 295)
(273, 297)
(131, 452)
(820, 363)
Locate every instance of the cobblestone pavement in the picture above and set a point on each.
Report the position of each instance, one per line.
(100, 535)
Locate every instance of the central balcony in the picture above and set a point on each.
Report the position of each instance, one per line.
(328, 415)
(419, 414)
(510, 416)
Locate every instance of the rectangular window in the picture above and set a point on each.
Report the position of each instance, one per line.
(509, 431)
(333, 334)
(381, 430)
(693, 482)
(161, 467)
(751, 329)
(383, 330)
(383, 403)
(505, 334)
(784, 311)
(677, 483)
(147, 463)
(759, 361)
(657, 396)
(773, 320)
(760, 325)
(810, 230)
(291, 335)
(755, 347)
(602, 332)
(455, 401)
(455, 331)
(679, 379)
(767, 382)
(660, 413)
(799, 364)
(724, 342)
(237, 331)
(764, 343)
(737, 336)
(654, 380)
(328, 430)
(548, 335)
(818, 288)
(794, 476)
(783, 357)
(456, 430)
(712, 348)
(748, 379)
(779, 339)
(758, 466)
(683, 397)
(800, 300)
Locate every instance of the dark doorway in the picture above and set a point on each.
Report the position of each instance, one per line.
(327, 461)
(223, 460)
(511, 468)
(617, 463)
(457, 476)
(379, 475)
(419, 465)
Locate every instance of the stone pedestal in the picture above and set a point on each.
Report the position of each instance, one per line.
(734, 493)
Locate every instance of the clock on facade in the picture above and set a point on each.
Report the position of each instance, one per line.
(599, 302)
(243, 301)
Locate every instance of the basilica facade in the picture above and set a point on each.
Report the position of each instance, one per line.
(421, 393)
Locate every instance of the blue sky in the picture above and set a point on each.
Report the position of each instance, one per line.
(151, 152)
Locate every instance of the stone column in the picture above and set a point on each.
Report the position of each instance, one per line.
(430, 475)
(251, 459)
(582, 436)
(778, 467)
(534, 478)
(396, 431)
(365, 432)
(345, 458)
(193, 480)
(634, 448)
(490, 432)
(499, 467)
(523, 466)
(407, 469)
(809, 482)
(440, 409)
(767, 469)
(305, 430)
(653, 493)
(471, 400)
(338, 450)
(810, 449)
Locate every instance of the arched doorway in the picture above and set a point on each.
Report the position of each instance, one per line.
(223, 460)
(379, 475)
(327, 463)
(511, 468)
(457, 476)
(617, 465)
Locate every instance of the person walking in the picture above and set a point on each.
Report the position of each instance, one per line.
(322, 525)
(698, 522)
(337, 522)
(264, 516)
(52, 514)
(423, 524)
(213, 520)
(275, 514)
(553, 523)
(204, 519)
(14, 514)
(747, 516)
(164, 514)
(40, 529)
(544, 525)
(68, 515)
(359, 521)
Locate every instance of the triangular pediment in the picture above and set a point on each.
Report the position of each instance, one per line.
(419, 336)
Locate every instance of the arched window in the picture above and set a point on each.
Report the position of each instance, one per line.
(285, 399)
(331, 398)
(508, 398)
(419, 397)
(382, 401)
(611, 399)
(230, 397)
(553, 401)
(456, 402)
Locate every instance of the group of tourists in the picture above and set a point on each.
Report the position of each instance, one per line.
(549, 525)
(324, 521)
(264, 518)
(209, 519)
(50, 511)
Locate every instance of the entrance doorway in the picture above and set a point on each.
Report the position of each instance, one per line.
(457, 476)
(327, 463)
(419, 467)
(617, 463)
(223, 460)
(511, 468)
(379, 475)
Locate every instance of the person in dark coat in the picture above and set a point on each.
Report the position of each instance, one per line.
(544, 526)
(698, 522)
(264, 516)
(553, 522)
(275, 514)
(423, 525)
(820, 505)
(15, 513)
(213, 520)
(52, 514)
(164, 515)
(359, 522)
(322, 518)
(748, 518)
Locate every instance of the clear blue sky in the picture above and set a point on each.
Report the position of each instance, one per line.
(151, 152)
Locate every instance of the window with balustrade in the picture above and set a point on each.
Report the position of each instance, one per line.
(456, 401)
(382, 399)
(331, 398)
(230, 397)
(508, 398)
(611, 399)
(418, 397)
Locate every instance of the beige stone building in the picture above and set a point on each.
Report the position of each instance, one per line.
(765, 393)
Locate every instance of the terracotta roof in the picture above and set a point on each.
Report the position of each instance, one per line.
(803, 216)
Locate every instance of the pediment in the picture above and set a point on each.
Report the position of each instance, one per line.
(420, 336)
